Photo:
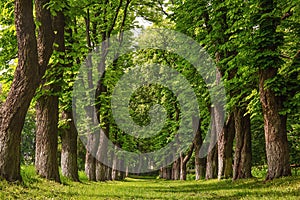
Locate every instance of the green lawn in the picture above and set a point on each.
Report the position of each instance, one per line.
(145, 188)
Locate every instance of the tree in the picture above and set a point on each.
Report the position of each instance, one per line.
(47, 110)
(33, 57)
(268, 41)
(68, 131)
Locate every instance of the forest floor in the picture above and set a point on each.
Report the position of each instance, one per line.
(34, 187)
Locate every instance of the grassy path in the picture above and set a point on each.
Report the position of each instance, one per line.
(134, 188)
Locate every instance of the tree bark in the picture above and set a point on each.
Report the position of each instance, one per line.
(90, 165)
(243, 155)
(91, 150)
(229, 135)
(31, 67)
(212, 156)
(69, 134)
(13, 110)
(167, 173)
(275, 129)
(219, 126)
(199, 162)
(211, 164)
(176, 169)
(101, 158)
(108, 173)
(114, 173)
(122, 174)
(46, 163)
(183, 162)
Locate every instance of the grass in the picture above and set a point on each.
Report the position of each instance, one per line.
(34, 187)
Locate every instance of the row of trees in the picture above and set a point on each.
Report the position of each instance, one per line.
(47, 65)
(256, 51)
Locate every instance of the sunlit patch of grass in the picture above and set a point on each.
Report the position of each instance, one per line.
(147, 188)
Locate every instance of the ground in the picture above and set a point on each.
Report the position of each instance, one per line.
(34, 187)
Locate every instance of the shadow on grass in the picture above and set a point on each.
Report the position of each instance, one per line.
(241, 188)
(142, 177)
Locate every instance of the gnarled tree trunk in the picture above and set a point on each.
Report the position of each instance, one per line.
(275, 129)
(269, 41)
(33, 57)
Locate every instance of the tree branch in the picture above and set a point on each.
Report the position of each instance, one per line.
(115, 19)
(45, 37)
(162, 8)
(288, 14)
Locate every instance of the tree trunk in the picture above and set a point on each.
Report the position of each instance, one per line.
(92, 138)
(69, 134)
(275, 129)
(101, 168)
(114, 172)
(182, 168)
(90, 166)
(211, 164)
(91, 149)
(27, 77)
(116, 164)
(212, 156)
(122, 173)
(183, 162)
(47, 111)
(127, 172)
(176, 169)
(167, 173)
(108, 173)
(13, 110)
(200, 165)
(46, 137)
(269, 41)
(199, 162)
(229, 135)
(219, 126)
(243, 155)
(110, 166)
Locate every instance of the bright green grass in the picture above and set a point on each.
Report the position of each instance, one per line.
(138, 188)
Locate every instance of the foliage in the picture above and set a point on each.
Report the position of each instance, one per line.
(238, 34)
